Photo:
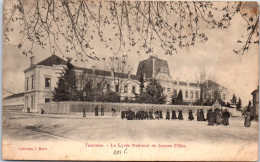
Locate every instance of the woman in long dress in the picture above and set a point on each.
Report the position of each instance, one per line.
(190, 115)
(168, 115)
(180, 117)
(174, 115)
(247, 116)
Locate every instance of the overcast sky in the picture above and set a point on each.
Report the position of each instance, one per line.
(238, 73)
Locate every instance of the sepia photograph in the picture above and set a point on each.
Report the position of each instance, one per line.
(118, 80)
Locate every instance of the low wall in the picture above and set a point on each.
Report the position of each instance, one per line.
(13, 108)
(75, 107)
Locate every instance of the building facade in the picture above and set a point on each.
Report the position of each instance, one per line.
(255, 108)
(41, 79)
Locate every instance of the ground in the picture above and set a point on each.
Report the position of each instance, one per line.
(108, 129)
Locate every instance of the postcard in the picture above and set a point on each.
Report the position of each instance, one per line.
(130, 80)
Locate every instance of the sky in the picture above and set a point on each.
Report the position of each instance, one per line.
(238, 73)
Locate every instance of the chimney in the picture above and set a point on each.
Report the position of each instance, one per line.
(75, 63)
(32, 58)
(93, 69)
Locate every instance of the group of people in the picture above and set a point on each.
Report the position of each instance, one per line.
(150, 114)
(218, 116)
(102, 111)
(214, 117)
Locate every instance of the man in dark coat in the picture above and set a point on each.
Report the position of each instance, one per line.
(123, 114)
(84, 112)
(198, 115)
(174, 115)
(190, 115)
(225, 117)
(157, 114)
(102, 110)
(202, 115)
(210, 117)
(150, 114)
(180, 117)
(168, 115)
(160, 113)
(96, 111)
(42, 111)
(28, 109)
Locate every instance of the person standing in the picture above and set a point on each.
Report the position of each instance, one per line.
(160, 113)
(202, 115)
(190, 115)
(102, 110)
(123, 114)
(198, 115)
(210, 117)
(96, 111)
(180, 117)
(174, 115)
(217, 116)
(84, 112)
(168, 115)
(248, 116)
(226, 116)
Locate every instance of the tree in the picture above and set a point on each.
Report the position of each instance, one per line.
(174, 98)
(67, 85)
(153, 93)
(234, 99)
(238, 107)
(180, 98)
(130, 25)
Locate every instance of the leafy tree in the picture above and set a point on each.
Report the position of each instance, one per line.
(108, 97)
(174, 98)
(238, 107)
(67, 85)
(234, 99)
(180, 98)
(153, 93)
(90, 92)
(130, 25)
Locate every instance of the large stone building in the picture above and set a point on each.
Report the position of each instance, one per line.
(255, 108)
(41, 78)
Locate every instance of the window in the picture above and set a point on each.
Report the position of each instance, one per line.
(197, 95)
(133, 89)
(47, 82)
(47, 100)
(191, 95)
(117, 88)
(27, 83)
(125, 89)
(32, 81)
(108, 87)
(186, 94)
(98, 86)
(168, 89)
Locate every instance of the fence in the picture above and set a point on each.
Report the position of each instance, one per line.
(75, 107)
(13, 108)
